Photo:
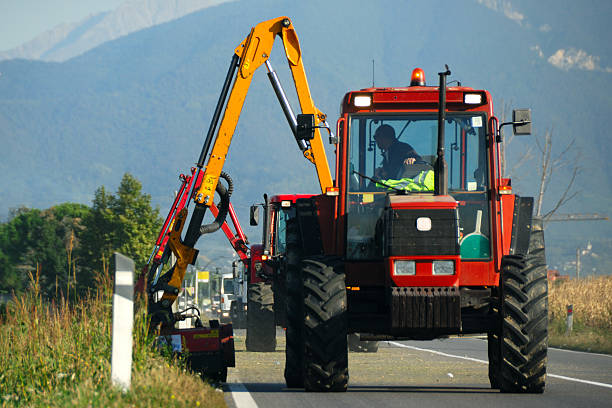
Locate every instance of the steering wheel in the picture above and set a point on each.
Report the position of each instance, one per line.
(412, 170)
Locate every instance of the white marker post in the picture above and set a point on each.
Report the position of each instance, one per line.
(123, 321)
(569, 322)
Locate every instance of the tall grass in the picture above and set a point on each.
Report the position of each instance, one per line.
(58, 354)
(591, 299)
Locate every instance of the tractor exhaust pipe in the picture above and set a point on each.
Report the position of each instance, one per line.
(284, 102)
(266, 226)
(440, 168)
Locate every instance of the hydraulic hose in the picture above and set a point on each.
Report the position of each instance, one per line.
(224, 195)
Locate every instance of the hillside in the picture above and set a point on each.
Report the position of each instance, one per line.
(68, 40)
(142, 103)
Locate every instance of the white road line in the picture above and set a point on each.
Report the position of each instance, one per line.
(437, 352)
(242, 397)
(588, 353)
(561, 377)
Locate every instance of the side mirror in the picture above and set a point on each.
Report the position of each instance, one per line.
(521, 121)
(305, 126)
(254, 215)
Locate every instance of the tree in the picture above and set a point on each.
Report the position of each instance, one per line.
(34, 239)
(69, 243)
(549, 165)
(124, 222)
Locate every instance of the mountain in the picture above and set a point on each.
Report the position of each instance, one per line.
(71, 39)
(143, 102)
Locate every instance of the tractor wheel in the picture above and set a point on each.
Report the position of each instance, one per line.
(325, 325)
(358, 346)
(261, 331)
(494, 352)
(235, 315)
(294, 351)
(536, 241)
(217, 377)
(518, 348)
(524, 325)
(294, 336)
(222, 375)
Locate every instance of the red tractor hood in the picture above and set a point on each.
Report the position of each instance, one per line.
(415, 201)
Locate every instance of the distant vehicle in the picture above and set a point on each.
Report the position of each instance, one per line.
(238, 308)
(227, 295)
(214, 304)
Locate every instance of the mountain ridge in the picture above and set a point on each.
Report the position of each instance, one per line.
(68, 40)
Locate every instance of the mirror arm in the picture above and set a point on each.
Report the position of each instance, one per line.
(498, 138)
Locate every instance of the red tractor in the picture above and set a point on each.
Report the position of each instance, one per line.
(418, 236)
(268, 287)
(438, 246)
(267, 272)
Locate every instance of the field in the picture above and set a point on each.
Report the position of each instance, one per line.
(58, 355)
(592, 305)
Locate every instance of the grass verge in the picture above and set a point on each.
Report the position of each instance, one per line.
(58, 354)
(592, 304)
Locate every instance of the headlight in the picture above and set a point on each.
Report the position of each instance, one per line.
(362, 101)
(225, 314)
(472, 99)
(402, 268)
(443, 267)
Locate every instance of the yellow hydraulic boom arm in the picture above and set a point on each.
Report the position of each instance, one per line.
(253, 52)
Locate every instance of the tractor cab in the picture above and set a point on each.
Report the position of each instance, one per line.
(390, 145)
(379, 177)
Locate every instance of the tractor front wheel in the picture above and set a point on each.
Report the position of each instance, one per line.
(261, 331)
(325, 325)
(518, 347)
(524, 325)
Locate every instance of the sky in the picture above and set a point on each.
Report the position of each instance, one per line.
(22, 20)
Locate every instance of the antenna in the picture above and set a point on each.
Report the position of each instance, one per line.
(372, 73)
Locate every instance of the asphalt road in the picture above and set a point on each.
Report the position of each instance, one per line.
(440, 373)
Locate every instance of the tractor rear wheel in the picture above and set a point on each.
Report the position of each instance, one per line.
(261, 331)
(294, 336)
(237, 315)
(523, 309)
(325, 325)
(494, 352)
(294, 351)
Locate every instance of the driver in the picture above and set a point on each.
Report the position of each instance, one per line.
(395, 153)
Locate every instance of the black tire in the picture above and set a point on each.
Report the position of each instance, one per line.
(294, 335)
(372, 346)
(536, 241)
(325, 326)
(236, 315)
(214, 377)
(294, 351)
(358, 346)
(494, 352)
(222, 375)
(261, 331)
(523, 332)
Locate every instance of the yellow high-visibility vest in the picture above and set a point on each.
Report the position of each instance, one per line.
(424, 181)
